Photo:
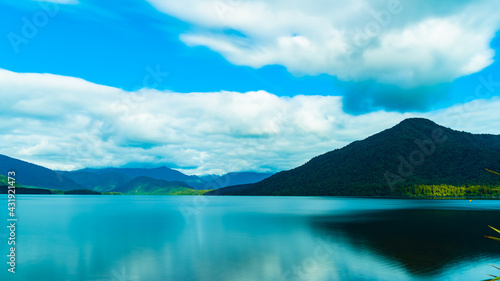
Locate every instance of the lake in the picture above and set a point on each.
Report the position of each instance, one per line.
(123, 238)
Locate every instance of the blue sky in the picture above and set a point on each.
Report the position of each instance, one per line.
(112, 44)
(308, 70)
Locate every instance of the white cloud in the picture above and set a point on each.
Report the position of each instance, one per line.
(66, 123)
(403, 43)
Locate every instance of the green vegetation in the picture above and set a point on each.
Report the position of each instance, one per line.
(417, 156)
(4, 188)
(494, 277)
(150, 186)
(494, 238)
(112, 193)
(169, 191)
(497, 239)
(57, 191)
(443, 190)
(184, 191)
(493, 172)
(81, 192)
(4, 181)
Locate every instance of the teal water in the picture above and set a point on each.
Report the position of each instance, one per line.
(123, 238)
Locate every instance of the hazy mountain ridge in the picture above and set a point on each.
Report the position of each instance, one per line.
(160, 180)
(102, 182)
(162, 173)
(236, 178)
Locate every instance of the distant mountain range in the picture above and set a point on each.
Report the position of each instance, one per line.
(161, 173)
(160, 180)
(236, 179)
(149, 186)
(108, 179)
(102, 182)
(415, 152)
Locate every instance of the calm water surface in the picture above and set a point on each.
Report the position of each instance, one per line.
(123, 238)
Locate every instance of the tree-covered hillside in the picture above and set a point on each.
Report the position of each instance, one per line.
(150, 186)
(33, 175)
(416, 152)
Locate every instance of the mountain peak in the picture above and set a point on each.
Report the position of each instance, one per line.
(412, 128)
(417, 151)
(416, 120)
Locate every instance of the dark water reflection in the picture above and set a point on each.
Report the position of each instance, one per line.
(123, 238)
(425, 242)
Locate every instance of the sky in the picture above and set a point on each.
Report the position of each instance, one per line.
(216, 86)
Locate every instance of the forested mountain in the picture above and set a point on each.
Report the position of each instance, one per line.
(415, 152)
(151, 186)
(19, 189)
(28, 174)
(101, 182)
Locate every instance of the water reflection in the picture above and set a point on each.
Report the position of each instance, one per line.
(110, 238)
(425, 242)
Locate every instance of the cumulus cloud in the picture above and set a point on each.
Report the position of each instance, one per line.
(396, 42)
(68, 123)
